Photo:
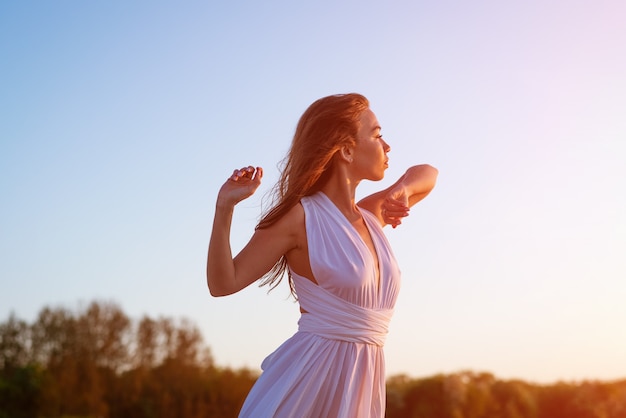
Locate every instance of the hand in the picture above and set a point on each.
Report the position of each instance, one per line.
(395, 206)
(239, 186)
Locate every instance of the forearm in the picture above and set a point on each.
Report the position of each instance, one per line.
(393, 203)
(220, 269)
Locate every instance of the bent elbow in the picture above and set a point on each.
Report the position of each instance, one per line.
(216, 294)
(429, 170)
(214, 290)
(425, 174)
(224, 284)
(218, 289)
(429, 174)
(434, 173)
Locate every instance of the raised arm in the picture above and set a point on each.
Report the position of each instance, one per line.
(393, 203)
(225, 274)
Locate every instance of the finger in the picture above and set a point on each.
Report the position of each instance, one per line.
(394, 221)
(234, 176)
(242, 172)
(395, 204)
(247, 172)
(396, 212)
(390, 217)
(399, 214)
(258, 175)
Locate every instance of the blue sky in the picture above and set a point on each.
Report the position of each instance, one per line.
(119, 122)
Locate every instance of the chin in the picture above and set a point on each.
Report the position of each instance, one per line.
(377, 177)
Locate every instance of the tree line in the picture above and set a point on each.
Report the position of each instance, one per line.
(97, 362)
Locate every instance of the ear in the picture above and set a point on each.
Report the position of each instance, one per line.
(347, 153)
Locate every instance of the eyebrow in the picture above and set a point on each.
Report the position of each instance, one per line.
(376, 127)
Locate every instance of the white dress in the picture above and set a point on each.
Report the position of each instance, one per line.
(334, 365)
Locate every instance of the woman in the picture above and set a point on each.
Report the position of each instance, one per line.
(336, 257)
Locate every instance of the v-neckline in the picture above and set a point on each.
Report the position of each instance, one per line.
(375, 256)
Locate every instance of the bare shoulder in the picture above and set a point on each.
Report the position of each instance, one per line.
(294, 221)
(373, 203)
(295, 214)
(290, 229)
(290, 226)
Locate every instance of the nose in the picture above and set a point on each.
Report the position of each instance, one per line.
(386, 146)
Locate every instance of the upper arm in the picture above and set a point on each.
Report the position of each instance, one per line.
(266, 247)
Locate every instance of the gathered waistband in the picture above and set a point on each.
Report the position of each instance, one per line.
(309, 323)
(334, 318)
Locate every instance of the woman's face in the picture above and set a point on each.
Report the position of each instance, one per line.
(370, 153)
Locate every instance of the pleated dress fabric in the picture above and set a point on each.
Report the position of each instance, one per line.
(334, 365)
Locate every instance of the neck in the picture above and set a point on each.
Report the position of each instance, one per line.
(341, 189)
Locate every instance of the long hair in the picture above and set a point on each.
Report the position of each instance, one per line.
(327, 125)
